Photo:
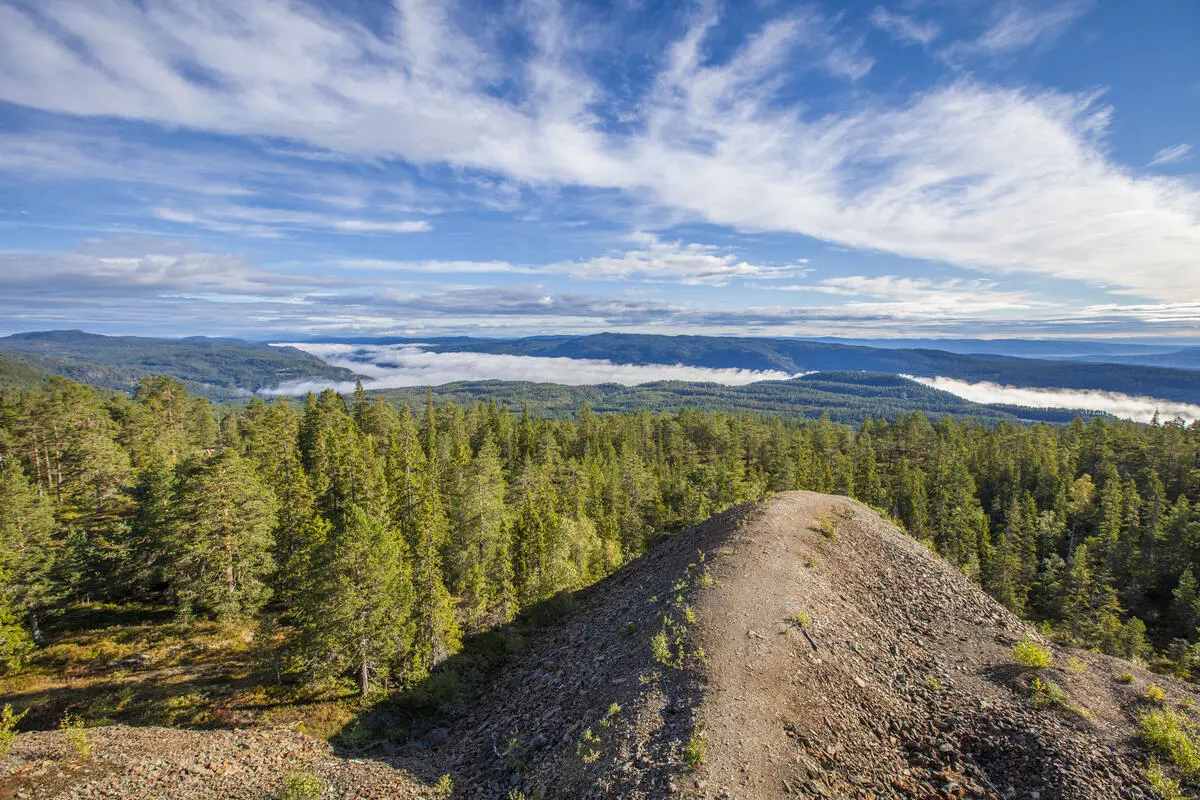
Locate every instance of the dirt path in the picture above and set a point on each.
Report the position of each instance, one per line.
(903, 686)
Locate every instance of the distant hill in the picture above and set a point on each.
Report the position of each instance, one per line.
(219, 369)
(796, 355)
(847, 397)
(17, 376)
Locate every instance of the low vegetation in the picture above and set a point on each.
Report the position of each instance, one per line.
(1029, 653)
(300, 786)
(695, 749)
(76, 736)
(1172, 736)
(9, 720)
(1165, 787)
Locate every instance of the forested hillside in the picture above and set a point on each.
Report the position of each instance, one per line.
(844, 396)
(219, 369)
(797, 355)
(368, 539)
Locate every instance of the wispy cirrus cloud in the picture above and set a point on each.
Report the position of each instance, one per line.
(1171, 155)
(904, 28)
(655, 260)
(1024, 25)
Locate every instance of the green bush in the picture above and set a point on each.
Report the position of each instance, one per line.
(1154, 694)
(300, 786)
(76, 735)
(1166, 788)
(1029, 653)
(695, 749)
(1171, 736)
(8, 728)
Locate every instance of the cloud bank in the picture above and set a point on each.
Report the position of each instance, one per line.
(1126, 406)
(394, 366)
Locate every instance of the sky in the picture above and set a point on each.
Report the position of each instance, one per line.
(291, 170)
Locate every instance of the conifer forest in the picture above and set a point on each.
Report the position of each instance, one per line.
(371, 539)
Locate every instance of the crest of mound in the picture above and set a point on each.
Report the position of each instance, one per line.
(799, 647)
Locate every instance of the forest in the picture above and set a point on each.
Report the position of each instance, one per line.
(367, 539)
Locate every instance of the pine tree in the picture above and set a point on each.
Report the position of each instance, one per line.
(26, 562)
(222, 539)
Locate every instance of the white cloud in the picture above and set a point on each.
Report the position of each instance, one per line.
(1022, 26)
(392, 366)
(655, 260)
(904, 28)
(991, 179)
(1133, 407)
(923, 298)
(271, 222)
(1171, 155)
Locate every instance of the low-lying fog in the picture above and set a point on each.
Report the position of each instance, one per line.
(1127, 406)
(393, 366)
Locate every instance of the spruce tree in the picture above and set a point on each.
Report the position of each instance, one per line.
(357, 612)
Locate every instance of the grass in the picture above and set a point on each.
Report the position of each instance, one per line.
(1029, 653)
(300, 786)
(694, 749)
(1172, 736)
(1166, 788)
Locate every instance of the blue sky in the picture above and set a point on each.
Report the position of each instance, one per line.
(913, 168)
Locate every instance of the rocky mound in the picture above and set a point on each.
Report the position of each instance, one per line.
(800, 647)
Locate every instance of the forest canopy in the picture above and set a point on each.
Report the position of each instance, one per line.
(371, 537)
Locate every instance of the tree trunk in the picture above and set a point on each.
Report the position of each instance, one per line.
(363, 678)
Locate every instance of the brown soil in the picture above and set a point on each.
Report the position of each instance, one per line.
(756, 656)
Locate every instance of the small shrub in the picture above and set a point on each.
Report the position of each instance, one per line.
(630, 629)
(804, 619)
(8, 728)
(689, 615)
(827, 528)
(1169, 735)
(1047, 694)
(932, 683)
(1166, 788)
(444, 786)
(1029, 653)
(705, 580)
(300, 786)
(76, 735)
(660, 648)
(1076, 666)
(694, 749)
(1125, 677)
(586, 748)
(1154, 694)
